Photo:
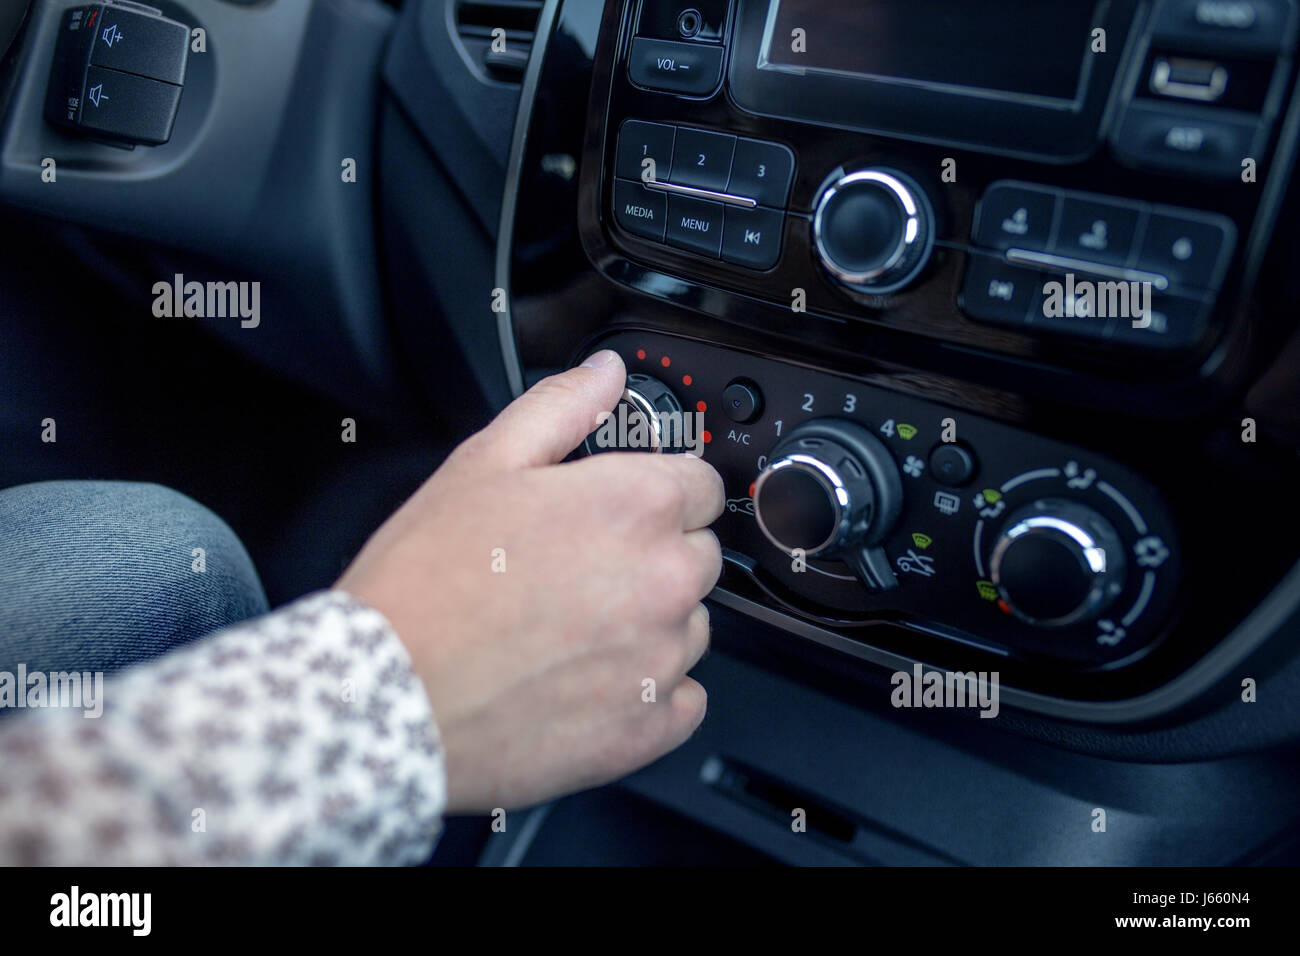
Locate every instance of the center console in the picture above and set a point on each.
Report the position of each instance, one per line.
(962, 301)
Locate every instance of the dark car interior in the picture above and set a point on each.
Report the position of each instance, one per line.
(988, 313)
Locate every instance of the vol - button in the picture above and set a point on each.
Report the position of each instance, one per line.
(693, 68)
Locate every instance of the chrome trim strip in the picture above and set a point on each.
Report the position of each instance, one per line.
(1031, 258)
(697, 193)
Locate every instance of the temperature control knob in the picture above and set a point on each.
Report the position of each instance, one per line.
(647, 418)
(831, 490)
(873, 230)
(1057, 562)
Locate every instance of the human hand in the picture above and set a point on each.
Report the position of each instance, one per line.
(534, 656)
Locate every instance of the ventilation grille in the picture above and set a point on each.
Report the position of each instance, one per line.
(500, 56)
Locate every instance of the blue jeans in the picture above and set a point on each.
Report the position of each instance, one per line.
(99, 575)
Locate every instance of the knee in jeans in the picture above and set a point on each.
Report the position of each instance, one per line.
(109, 572)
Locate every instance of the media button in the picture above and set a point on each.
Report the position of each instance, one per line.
(702, 159)
(1097, 231)
(1015, 217)
(695, 225)
(640, 211)
(996, 292)
(752, 237)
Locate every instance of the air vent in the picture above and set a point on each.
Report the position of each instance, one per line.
(498, 35)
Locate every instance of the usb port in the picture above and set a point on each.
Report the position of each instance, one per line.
(1200, 80)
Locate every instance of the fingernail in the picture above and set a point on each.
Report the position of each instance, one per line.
(599, 359)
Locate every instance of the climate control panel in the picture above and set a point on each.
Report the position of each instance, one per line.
(851, 504)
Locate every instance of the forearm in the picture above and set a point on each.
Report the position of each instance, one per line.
(302, 737)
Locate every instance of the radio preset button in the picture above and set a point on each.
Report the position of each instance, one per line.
(1015, 217)
(641, 211)
(695, 225)
(996, 292)
(762, 171)
(1068, 314)
(703, 159)
(639, 140)
(674, 67)
(1186, 250)
(752, 237)
(1097, 231)
(1176, 322)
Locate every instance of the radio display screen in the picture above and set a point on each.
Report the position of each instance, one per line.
(1019, 49)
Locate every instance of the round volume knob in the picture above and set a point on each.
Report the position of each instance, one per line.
(1057, 562)
(831, 490)
(647, 418)
(873, 230)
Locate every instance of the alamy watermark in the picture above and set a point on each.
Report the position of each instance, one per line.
(209, 300)
(922, 688)
(630, 429)
(1085, 299)
(130, 910)
(35, 689)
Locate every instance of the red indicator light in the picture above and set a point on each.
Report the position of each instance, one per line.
(752, 485)
(686, 380)
(665, 361)
(640, 353)
(707, 437)
(1003, 606)
(701, 406)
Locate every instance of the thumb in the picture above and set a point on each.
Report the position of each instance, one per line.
(549, 420)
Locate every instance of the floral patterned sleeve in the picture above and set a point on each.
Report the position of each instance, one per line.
(302, 737)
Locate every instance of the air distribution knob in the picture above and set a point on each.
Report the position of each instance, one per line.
(647, 418)
(1057, 562)
(831, 490)
(873, 230)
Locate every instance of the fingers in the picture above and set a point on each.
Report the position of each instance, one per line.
(697, 636)
(701, 498)
(549, 420)
(705, 497)
(689, 703)
(706, 555)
